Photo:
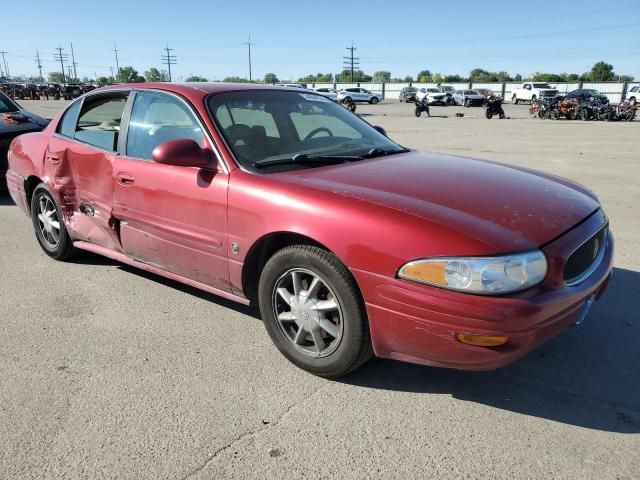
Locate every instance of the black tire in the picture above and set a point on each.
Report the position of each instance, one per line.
(554, 114)
(63, 249)
(418, 111)
(584, 114)
(346, 100)
(488, 114)
(353, 348)
(514, 100)
(374, 100)
(467, 103)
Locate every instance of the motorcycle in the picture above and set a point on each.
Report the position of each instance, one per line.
(422, 106)
(493, 106)
(626, 111)
(546, 107)
(593, 109)
(567, 108)
(349, 104)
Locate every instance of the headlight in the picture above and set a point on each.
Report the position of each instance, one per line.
(482, 275)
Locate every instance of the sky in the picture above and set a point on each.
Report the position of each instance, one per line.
(293, 39)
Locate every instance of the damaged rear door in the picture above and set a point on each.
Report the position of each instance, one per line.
(172, 217)
(80, 161)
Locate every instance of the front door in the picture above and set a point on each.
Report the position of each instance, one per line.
(80, 159)
(172, 217)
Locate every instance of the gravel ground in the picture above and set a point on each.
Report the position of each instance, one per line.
(109, 372)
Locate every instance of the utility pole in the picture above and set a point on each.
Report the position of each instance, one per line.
(4, 61)
(61, 57)
(73, 62)
(115, 49)
(39, 64)
(112, 73)
(169, 59)
(69, 67)
(351, 62)
(248, 44)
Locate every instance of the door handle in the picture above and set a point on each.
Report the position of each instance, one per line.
(125, 179)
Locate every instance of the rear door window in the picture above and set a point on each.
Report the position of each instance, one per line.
(99, 121)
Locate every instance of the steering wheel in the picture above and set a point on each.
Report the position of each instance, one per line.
(313, 133)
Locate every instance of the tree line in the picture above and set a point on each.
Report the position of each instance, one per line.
(600, 72)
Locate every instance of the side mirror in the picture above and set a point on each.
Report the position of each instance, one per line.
(182, 153)
(380, 129)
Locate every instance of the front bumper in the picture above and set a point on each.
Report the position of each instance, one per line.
(418, 324)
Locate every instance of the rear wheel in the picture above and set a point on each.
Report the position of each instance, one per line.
(488, 114)
(313, 312)
(374, 100)
(48, 224)
(514, 100)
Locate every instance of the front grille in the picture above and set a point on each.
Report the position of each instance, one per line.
(585, 256)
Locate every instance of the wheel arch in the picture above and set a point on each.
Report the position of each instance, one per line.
(262, 250)
(30, 184)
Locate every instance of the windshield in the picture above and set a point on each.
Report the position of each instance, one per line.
(411, 89)
(541, 85)
(433, 90)
(7, 105)
(263, 126)
(471, 92)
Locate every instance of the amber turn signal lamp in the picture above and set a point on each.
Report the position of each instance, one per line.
(482, 340)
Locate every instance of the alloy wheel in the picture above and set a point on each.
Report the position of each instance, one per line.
(48, 221)
(308, 312)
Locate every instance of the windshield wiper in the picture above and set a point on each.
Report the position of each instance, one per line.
(304, 159)
(379, 152)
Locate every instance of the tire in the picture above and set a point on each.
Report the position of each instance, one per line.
(341, 326)
(584, 114)
(374, 100)
(45, 214)
(346, 100)
(554, 115)
(466, 103)
(488, 114)
(514, 100)
(418, 111)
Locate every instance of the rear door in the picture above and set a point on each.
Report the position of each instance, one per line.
(172, 217)
(80, 160)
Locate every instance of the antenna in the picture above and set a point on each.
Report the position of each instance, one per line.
(169, 59)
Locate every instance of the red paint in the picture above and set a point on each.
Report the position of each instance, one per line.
(374, 215)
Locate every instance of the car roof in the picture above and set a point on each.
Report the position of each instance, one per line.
(194, 90)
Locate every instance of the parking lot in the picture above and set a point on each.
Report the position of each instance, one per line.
(110, 372)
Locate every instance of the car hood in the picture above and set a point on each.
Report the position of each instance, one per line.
(505, 208)
(21, 122)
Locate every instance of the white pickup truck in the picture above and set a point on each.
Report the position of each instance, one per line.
(531, 91)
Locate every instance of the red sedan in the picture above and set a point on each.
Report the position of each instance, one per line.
(349, 243)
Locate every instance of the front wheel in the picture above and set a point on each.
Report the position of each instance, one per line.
(48, 224)
(466, 102)
(374, 100)
(514, 100)
(313, 312)
(488, 114)
(418, 111)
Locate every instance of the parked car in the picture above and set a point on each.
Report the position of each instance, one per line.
(291, 85)
(294, 214)
(14, 121)
(327, 92)
(585, 93)
(530, 91)
(448, 91)
(70, 91)
(358, 95)
(633, 95)
(408, 94)
(468, 98)
(433, 95)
